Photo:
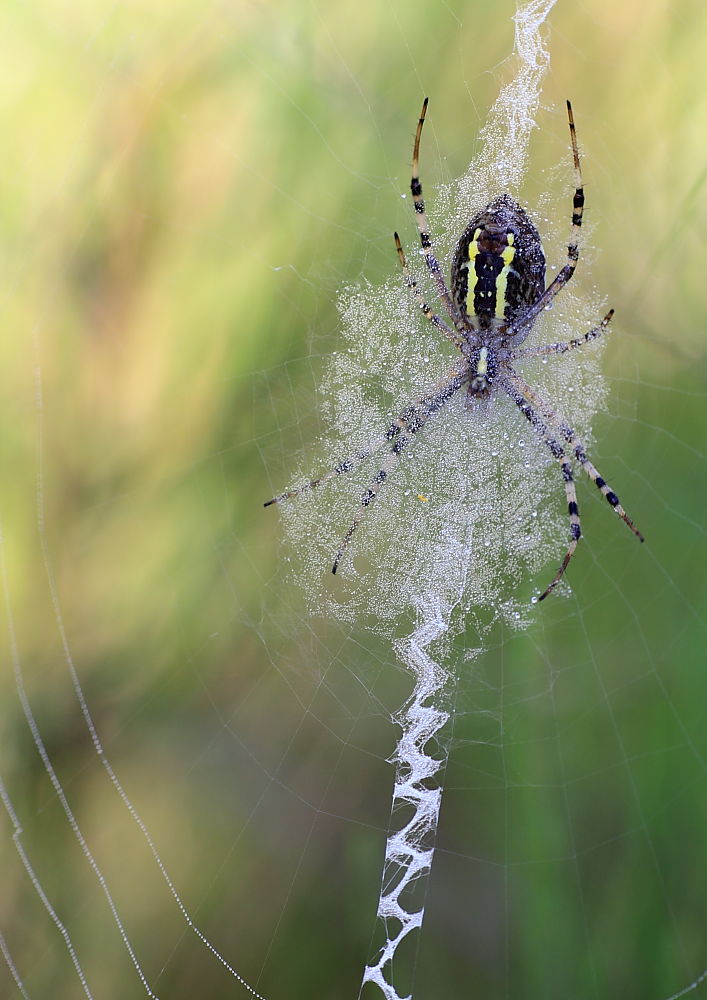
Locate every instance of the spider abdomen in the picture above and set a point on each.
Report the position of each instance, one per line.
(498, 267)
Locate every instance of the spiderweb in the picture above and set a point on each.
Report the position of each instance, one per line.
(444, 544)
(196, 729)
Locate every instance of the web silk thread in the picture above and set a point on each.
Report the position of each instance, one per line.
(406, 859)
(410, 850)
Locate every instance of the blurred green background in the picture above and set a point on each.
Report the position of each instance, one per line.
(185, 187)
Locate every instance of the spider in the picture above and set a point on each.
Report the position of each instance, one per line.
(497, 291)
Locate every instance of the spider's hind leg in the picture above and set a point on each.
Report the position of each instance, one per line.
(456, 338)
(423, 228)
(565, 273)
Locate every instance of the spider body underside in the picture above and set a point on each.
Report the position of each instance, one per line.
(496, 292)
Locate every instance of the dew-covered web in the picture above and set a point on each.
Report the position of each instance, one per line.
(464, 518)
(226, 771)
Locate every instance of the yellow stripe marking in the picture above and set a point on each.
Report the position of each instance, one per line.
(473, 251)
(502, 279)
(482, 366)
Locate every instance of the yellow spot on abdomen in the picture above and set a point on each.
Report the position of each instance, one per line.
(473, 277)
(502, 279)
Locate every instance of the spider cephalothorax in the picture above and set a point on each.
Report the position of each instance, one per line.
(497, 292)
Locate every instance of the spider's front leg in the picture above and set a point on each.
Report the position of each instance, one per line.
(568, 479)
(521, 387)
(346, 466)
(408, 423)
(409, 427)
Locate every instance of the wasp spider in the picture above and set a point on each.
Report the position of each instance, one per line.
(497, 291)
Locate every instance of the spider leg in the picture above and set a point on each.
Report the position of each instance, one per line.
(408, 429)
(567, 477)
(529, 394)
(423, 229)
(377, 444)
(338, 470)
(387, 466)
(459, 342)
(567, 271)
(564, 346)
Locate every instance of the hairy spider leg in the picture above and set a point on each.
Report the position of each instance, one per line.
(563, 346)
(567, 478)
(423, 228)
(574, 442)
(564, 275)
(423, 412)
(399, 424)
(459, 342)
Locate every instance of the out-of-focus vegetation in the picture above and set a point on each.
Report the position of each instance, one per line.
(184, 189)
